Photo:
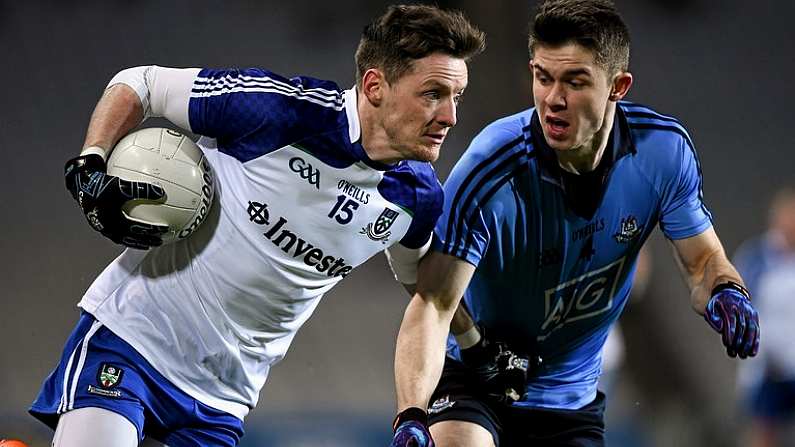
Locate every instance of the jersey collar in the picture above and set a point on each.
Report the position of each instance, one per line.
(352, 113)
(619, 145)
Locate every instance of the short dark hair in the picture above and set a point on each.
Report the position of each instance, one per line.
(594, 24)
(405, 33)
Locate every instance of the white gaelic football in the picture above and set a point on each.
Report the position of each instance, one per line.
(172, 161)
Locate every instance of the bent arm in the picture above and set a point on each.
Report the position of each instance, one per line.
(420, 350)
(704, 265)
(131, 96)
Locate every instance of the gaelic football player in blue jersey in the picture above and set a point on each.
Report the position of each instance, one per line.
(544, 216)
(175, 341)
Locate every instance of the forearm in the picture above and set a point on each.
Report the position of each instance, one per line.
(420, 352)
(717, 270)
(117, 112)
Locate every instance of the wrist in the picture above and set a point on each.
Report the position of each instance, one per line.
(732, 286)
(410, 414)
(469, 338)
(95, 150)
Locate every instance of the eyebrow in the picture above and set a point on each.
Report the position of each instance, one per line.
(568, 73)
(432, 83)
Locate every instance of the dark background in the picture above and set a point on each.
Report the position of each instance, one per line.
(723, 67)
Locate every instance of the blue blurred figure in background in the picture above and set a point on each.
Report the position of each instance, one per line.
(767, 263)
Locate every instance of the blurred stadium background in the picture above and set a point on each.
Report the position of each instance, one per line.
(723, 67)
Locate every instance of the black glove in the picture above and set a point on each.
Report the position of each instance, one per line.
(101, 197)
(503, 372)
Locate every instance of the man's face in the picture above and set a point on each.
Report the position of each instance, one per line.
(571, 95)
(419, 108)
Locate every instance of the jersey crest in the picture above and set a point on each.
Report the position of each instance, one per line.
(379, 231)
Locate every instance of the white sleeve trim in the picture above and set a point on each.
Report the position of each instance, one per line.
(164, 92)
(403, 261)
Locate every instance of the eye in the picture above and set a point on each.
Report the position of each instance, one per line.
(543, 80)
(433, 95)
(458, 98)
(576, 84)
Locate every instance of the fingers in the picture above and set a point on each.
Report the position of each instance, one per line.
(141, 242)
(735, 335)
(728, 324)
(750, 341)
(146, 229)
(141, 190)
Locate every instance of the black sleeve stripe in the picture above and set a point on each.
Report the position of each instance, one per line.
(651, 115)
(469, 178)
(521, 166)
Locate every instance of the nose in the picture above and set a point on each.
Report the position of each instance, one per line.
(556, 97)
(446, 115)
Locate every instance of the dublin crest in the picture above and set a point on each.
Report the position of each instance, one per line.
(379, 231)
(629, 230)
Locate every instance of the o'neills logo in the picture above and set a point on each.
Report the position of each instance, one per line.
(294, 245)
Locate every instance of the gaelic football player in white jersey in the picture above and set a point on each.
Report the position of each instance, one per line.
(174, 342)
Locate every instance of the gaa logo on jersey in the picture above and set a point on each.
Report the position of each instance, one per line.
(379, 230)
(305, 170)
(584, 297)
(109, 376)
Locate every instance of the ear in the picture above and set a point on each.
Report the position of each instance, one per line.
(373, 85)
(621, 84)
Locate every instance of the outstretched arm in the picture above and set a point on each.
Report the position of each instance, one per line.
(718, 293)
(422, 338)
(420, 351)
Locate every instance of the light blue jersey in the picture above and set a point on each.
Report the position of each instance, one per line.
(549, 281)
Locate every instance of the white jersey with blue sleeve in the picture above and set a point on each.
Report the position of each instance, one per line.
(298, 206)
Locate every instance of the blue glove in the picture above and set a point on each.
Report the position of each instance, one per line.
(411, 429)
(730, 313)
(101, 197)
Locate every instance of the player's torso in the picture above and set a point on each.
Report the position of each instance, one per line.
(555, 280)
(305, 218)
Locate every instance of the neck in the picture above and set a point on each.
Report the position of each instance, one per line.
(587, 157)
(375, 139)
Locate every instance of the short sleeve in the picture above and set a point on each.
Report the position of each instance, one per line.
(465, 228)
(683, 213)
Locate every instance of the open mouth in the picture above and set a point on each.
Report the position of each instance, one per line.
(557, 123)
(556, 127)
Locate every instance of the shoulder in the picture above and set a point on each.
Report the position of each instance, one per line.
(498, 150)
(417, 180)
(496, 156)
(653, 130)
(259, 80)
(300, 98)
(506, 135)
(662, 141)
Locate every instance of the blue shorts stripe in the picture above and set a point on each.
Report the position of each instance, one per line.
(80, 362)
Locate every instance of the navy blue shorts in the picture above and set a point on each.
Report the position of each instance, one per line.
(99, 369)
(459, 397)
(774, 400)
